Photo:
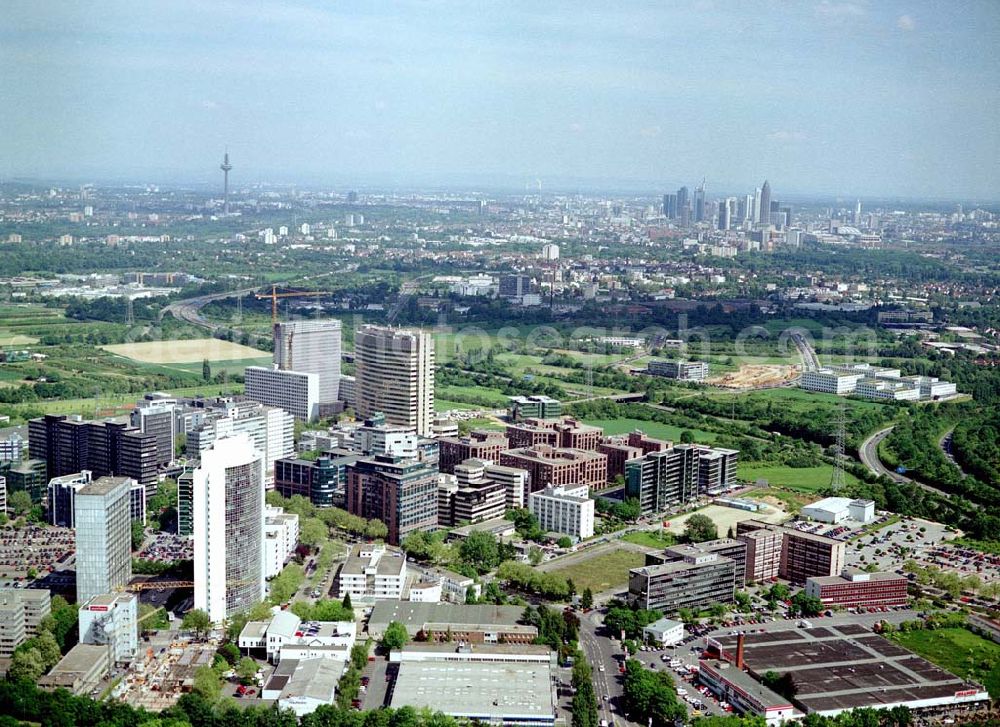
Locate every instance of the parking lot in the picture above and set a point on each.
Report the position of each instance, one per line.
(167, 548)
(41, 548)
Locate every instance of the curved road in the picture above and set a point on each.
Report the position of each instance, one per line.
(868, 452)
(189, 310)
(945, 444)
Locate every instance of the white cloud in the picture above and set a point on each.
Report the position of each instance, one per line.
(651, 132)
(786, 135)
(906, 22)
(209, 104)
(576, 127)
(839, 10)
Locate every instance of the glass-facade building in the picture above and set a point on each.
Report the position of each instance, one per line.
(103, 519)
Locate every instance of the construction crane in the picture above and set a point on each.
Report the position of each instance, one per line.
(274, 295)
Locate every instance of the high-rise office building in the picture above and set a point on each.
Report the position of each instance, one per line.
(679, 474)
(72, 445)
(297, 392)
(228, 514)
(395, 376)
(401, 492)
(62, 497)
(103, 537)
(157, 418)
(312, 347)
(699, 203)
(765, 204)
(682, 202)
(727, 211)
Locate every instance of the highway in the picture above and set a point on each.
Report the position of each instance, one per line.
(810, 361)
(189, 310)
(868, 452)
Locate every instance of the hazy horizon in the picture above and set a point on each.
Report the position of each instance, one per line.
(887, 100)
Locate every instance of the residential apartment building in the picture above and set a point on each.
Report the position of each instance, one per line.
(401, 492)
(548, 465)
(853, 588)
(296, 392)
(564, 509)
(618, 453)
(281, 537)
(103, 519)
(395, 376)
(372, 571)
(480, 444)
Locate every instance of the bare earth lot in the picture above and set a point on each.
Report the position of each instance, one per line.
(186, 351)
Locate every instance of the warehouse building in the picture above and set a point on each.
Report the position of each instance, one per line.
(475, 624)
(838, 509)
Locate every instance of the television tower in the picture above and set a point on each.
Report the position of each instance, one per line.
(225, 167)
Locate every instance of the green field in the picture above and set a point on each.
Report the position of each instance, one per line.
(801, 479)
(649, 539)
(230, 366)
(602, 572)
(959, 651)
(479, 395)
(797, 399)
(653, 429)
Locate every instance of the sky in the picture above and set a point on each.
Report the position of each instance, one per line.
(856, 97)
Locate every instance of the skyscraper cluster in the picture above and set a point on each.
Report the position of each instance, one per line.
(751, 211)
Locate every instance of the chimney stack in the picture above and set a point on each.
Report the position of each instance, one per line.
(739, 651)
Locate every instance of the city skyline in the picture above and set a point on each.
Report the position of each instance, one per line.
(847, 98)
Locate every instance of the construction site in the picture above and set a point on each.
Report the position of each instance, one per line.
(158, 679)
(756, 376)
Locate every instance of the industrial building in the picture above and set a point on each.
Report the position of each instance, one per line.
(844, 667)
(475, 624)
(302, 685)
(82, 669)
(747, 695)
(838, 509)
(500, 685)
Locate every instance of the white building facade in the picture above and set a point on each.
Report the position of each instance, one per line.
(566, 510)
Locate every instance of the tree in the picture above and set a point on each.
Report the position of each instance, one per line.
(198, 621)
(48, 647)
(26, 664)
(565, 542)
(138, 534)
(395, 636)
(207, 684)
(312, 532)
(742, 599)
(19, 502)
(470, 596)
(687, 436)
(587, 599)
(206, 370)
(700, 528)
(347, 601)
(806, 605)
(778, 592)
(480, 550)
(571, 586)
(230, 652)
(246, 669)
(535, 555)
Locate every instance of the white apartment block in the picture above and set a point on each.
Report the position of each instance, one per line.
(281, 536)
(373, 572)
(515, 480)
(271, 431)
(561, 509)
(21, 613)
(296, 392)
(395, 376)
(112, 619)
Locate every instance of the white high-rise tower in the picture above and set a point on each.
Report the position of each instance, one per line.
(312, 347)
(228, 515)
(395, 376)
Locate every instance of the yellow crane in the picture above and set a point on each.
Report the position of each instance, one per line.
(274, 295)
